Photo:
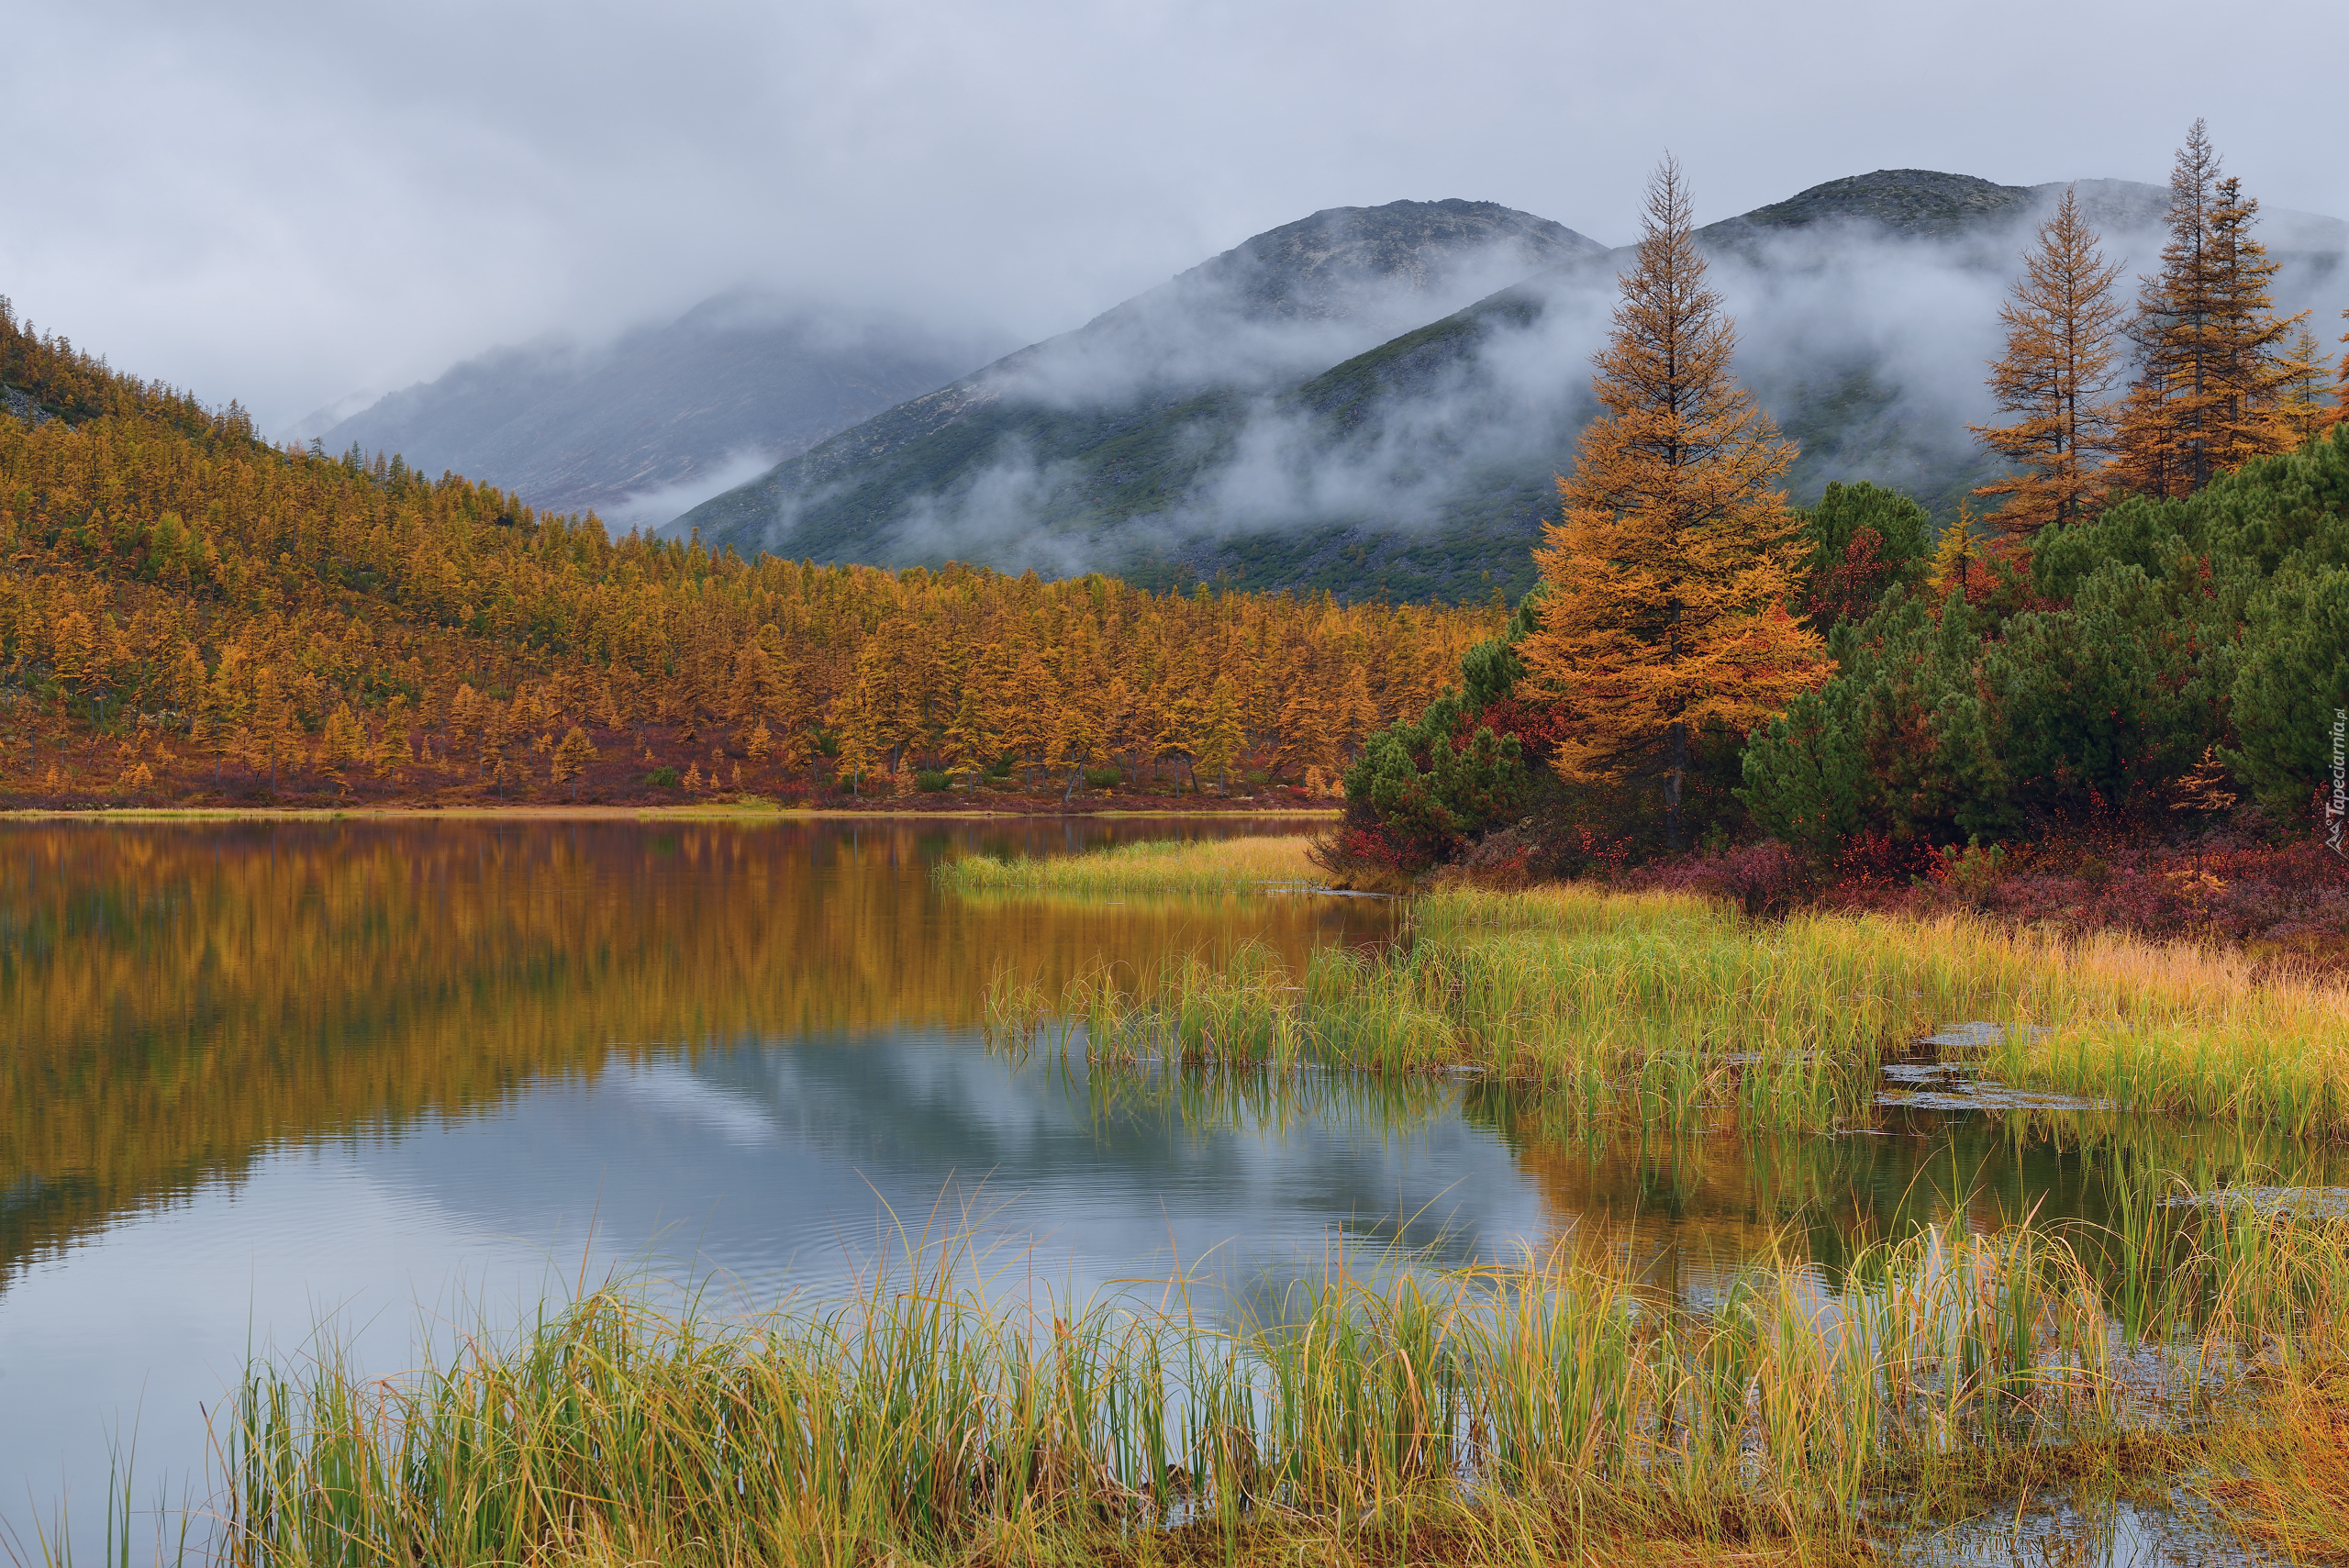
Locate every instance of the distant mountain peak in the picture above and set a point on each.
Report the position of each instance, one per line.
(1319, 267)
(1907, 201)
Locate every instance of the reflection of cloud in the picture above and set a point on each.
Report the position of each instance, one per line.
(672, 1090)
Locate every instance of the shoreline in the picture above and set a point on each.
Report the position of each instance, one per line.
(599, 812)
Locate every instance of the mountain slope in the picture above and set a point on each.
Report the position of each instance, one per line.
(664, 416)
(1422, 465)
(1280, 306)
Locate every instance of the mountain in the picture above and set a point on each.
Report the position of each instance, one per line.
(664, 416)
(1421, 466)
(1279, 307)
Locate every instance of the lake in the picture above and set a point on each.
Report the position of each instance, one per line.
(270, 1086)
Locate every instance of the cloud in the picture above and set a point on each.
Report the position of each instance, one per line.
(283, 203)
(649, 508)
(1873, 347)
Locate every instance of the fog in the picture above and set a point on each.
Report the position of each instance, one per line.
(1872, 346)
(288, 204)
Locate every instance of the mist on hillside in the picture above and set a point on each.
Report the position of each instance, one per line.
(1869, 347)
(644, 425)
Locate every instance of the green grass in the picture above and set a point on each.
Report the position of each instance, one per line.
(1679, 1012)
(1517, 1413)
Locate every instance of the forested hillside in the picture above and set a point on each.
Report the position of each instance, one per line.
(189, 614)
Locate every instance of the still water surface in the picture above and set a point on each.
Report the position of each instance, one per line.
(392, 1078)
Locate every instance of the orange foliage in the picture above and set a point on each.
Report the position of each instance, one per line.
(183, 599)
(2211, 371)
(2061, 343)
(1667, 579)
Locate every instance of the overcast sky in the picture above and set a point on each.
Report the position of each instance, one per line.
(287, 203)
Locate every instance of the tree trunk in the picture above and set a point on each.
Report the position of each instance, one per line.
(1672, 778)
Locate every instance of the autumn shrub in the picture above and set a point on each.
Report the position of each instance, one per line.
(1763, 878)
(662, 777)
(931, 782)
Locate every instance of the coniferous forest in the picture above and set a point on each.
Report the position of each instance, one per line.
(2118, 692)
(192, 616)
(2138, 640)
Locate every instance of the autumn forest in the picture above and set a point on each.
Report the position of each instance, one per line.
(192, 615)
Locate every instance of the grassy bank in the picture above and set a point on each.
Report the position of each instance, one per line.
(1228, 865)
(1546, 1411)
(1670, 1008)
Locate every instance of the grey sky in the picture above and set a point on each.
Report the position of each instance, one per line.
(285, 202)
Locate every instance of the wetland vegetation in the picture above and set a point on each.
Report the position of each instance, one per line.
(1824, 1381)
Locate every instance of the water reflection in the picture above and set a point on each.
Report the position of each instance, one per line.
(253, 1076)
(174, 999)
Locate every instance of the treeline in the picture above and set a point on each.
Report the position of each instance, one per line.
(187, 610)
(2150, 632)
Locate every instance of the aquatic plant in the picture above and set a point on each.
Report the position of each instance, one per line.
(1679, 1011)
(1228, 865)
(1519, 1412)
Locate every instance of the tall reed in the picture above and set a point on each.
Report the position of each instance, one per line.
(1521, 1411)
(1682, 1013)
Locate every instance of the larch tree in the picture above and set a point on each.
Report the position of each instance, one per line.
(1667, 577)
(1220, 737)
(2063, 331)
(2160, 439)
(2341, 396)
(2210, 361)
(2250, 361)
(967, 744)
(2302, 405)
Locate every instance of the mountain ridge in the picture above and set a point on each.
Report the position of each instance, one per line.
(571, 428)
(1146, 488)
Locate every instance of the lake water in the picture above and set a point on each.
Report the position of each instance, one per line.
(393, 1079)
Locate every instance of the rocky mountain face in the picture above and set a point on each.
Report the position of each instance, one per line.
(1242, 420)
(643, 428)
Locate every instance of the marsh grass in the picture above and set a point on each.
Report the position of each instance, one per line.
(1679, 1012)
(1228, 865)
(1545, 1408)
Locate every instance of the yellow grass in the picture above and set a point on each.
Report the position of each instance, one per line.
(1554, 1408)
(1660, 1004)
(1226, 865)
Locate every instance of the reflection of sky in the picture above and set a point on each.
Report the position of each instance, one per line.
(768, 1162)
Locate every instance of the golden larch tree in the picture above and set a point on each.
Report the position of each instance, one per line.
(1667, 575)
(2063, 332)
(2303, 395)
(2251, 359)
(2208, 340)
(2340, 397)
(2158, 442)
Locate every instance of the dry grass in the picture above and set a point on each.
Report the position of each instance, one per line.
(1547, 1411)
(1228, 866)
(1664, 1005)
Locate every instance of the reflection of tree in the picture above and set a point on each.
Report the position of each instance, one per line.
(1688, 1209)
(174, 1000)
